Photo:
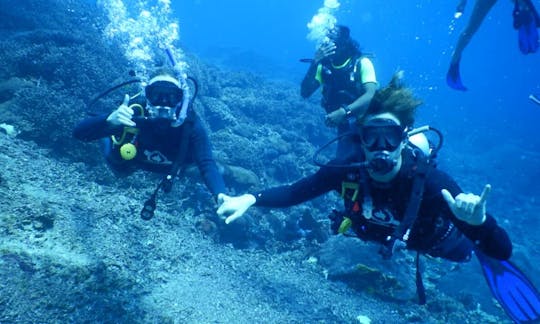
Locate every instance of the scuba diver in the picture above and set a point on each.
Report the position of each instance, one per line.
(394, 195)
(348, 82)
(156, 130)
(525, 20)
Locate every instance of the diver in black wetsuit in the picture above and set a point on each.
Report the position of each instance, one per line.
(448, 223)
(155, 133)
(394, 195)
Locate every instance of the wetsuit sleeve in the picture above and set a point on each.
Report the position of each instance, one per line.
(367, 71)
(311, 81)
(323, 181)
(489, 237)
(202, 152)
(94, 128)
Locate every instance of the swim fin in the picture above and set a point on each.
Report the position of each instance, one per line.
(526, 21)
(534, 13)
(453, 77)
(514, 292)
(528, 38)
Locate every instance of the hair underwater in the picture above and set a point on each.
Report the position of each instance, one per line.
(396, 99)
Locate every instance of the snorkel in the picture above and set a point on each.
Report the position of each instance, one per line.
(182, 107)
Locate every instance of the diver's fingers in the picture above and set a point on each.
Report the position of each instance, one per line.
(124, 115)
(125, 111)
(485, 194)
(448, 197)
(329, 52)
(126, 121)
(126, 100)
(221, 198)
(233, 217)
(469, 206)
(223, 208)
(329, 46)
(328, 49)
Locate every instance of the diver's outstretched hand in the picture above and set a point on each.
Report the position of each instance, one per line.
(232, 208)
(122, 115)
(469, 208)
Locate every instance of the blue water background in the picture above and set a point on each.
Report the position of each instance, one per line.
(416, 36)
(491, 131)
(494, 123)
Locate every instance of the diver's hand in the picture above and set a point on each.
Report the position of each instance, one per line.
(469, 208)
(234, 207)
(122, 115)
(325, 50)
(336, 117)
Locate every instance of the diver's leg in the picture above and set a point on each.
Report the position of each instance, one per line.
(480, 10)
(460, 8)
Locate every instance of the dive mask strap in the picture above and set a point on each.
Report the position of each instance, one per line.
(400, 236)
(182, 108)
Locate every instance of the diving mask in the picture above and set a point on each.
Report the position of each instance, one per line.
(163, 95)
(382, 135)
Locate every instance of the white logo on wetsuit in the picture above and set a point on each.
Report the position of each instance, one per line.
(156, 157)
(383, 217)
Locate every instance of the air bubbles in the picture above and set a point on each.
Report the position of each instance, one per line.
(331, 4)
(144, 30)
(322, 22)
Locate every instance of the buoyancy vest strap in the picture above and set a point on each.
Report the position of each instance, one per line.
(166, 182)
(318, 73)
(347, 188)
(180, 157)
(402, 231)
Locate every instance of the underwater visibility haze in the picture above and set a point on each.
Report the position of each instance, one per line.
(73, 247)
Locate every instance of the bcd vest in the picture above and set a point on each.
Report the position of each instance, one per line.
(383, 214)
(341, 85)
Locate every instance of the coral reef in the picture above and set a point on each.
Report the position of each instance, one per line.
(72, 245)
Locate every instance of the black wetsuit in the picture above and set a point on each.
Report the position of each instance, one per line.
(436, 230)
(157, 147)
